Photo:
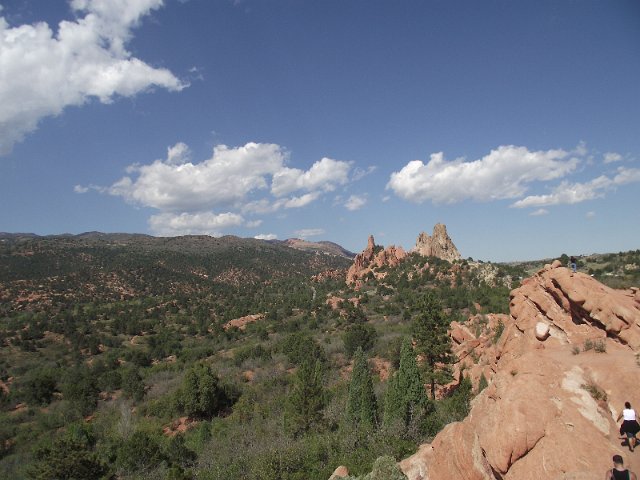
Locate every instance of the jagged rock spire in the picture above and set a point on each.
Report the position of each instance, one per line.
(438, 245)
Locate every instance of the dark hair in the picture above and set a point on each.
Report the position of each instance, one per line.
(627, 405)
(618, 459)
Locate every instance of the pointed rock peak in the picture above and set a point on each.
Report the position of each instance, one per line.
(439, 245)
(371, 243)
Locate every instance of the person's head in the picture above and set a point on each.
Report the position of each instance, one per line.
(617, 460)
(627, 405)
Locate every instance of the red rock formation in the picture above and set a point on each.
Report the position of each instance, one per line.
(331, 274)
(438, 245)
(242, 322)
(550, 409)
(370, 259)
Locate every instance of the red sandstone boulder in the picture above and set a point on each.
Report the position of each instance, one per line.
(550, 409)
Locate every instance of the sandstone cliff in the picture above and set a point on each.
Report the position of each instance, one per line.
(559, 369)
(438, 245)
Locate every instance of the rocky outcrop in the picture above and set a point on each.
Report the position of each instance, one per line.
(331, 274)
(438, 245)
(371, 259)
(559, 369)
(242, 322)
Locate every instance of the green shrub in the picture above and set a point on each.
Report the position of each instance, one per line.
(68, 457)
(482, 383)
(600, 346)
(498, 331)
(357, 336)
(595, 391)
(202, 395)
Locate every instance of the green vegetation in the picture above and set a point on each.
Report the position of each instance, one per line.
(433, 343)
(116, 358)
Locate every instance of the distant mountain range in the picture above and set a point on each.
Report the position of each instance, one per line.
(183, 243)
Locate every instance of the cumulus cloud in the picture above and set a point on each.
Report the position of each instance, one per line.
(504, 173)
(225, 178)
(590, 214)
(611, 157)
(571, 193)
(42, 72)
(355, 202)
(309, 232)
(324, 175)
(206, 223)
(251, 180)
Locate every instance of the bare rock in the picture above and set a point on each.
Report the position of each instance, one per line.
(438, 245)
(547, 413)
(542, 331)
(340, 472)
(371, 259)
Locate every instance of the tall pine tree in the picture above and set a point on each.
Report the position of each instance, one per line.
(433, 342)
(362, 408)
(306, 397)
(406, 395)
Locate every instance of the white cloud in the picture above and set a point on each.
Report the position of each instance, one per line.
(355, 202)
(266, 236)
(297, 202)
(227, 177)
(80, 189)
(234, 180)
(360, 173)
(626, 175)
(611, 157)
(591, 214)
(539, 212)
(309, 232)
(205, 223)
(324, 175)
(42, 72)
(504, 173)
(572, 193)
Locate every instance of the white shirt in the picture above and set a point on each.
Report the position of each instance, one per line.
(629, 414)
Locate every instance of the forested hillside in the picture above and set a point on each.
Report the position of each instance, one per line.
(118, 358)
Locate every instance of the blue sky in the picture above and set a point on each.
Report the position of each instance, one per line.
(517, 124)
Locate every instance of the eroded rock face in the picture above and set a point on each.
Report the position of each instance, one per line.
(372, 258)
(438, 245)
(550, 408)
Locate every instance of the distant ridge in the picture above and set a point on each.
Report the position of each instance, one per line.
(191, 243)
(330, 248)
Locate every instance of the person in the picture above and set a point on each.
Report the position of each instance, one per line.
(630, 425)
(618, 472)
(574, 265)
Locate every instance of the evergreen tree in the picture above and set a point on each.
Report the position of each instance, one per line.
(433, 342)
(132, 384)
(201, 394)
(405, 393)
(306, 398)
(361, 401)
